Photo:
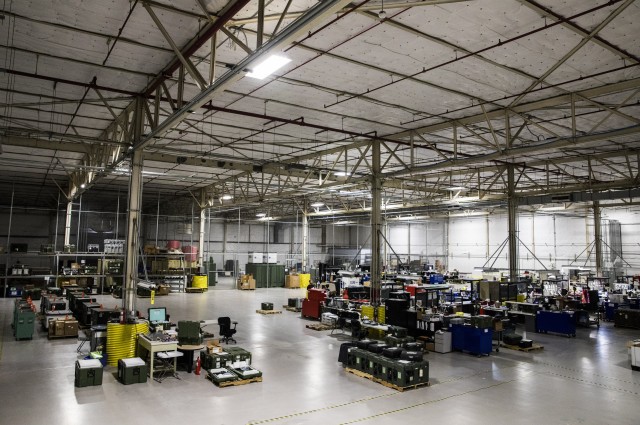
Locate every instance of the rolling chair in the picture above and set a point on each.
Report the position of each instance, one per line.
(226, 331)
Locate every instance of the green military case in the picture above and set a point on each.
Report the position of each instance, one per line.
(404, 373)
(88, 373)
(238, 354)
(132, 371)
(482, 322)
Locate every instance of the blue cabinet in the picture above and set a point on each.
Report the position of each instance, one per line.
(471, 339)
(561, 322)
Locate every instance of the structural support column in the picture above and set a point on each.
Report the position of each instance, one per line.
(512, 206)
(376, 222)
(203, 220)
(597, 222)
(67, 224)
(133, 220)
(305, 238)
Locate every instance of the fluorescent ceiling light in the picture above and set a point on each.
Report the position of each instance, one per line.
(341, 174)
(317, 204)
(454, 188)
(82, 186)
(268, 67)
(265, 218)
(261, 215)
(553, 208)
(226, 197)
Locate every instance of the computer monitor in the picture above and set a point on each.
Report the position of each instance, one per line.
(157, 314)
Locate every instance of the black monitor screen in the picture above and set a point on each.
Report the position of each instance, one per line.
(158, 314)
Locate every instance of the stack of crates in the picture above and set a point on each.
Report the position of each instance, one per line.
(404, 373)
(357, 358)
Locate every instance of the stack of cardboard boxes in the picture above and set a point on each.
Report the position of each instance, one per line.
(63, 328)
(246, 282)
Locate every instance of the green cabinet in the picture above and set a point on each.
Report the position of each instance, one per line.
(266, 275)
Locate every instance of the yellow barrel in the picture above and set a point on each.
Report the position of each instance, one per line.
(305, 279)
(381, 314)
(521, 298)
(122, 340)
(200, 282)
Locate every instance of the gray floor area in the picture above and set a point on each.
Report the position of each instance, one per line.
(582, 380)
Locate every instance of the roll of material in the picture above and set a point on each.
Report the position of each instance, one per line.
(122, 340)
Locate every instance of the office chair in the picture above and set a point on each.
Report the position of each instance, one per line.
(226, 331)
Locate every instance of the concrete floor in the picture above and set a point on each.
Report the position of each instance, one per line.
(582, 380)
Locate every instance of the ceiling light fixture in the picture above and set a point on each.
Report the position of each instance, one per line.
(341, 174)
(226, 197)
(261, 215)
(455, 188)
(82, 186)
(268, 67)
(317, 204)
(382, 14)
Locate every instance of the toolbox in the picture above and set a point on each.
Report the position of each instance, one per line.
(412, 356)
(246, 372)
(377, 348)
(364, 344)
(392, 352)
(237, 354)
(215, 360)
(405, 373)
(220, 375)
(266, 306)
(482, 321)
(398, 331)
(132, 371)
(88, 373)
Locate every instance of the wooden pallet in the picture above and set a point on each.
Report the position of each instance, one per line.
(269, 311)
(385, 383)
(195, 290)
(293, 309)
(247, 289)
(319, 327)
(61, 336)
(236, 383)
(534, 347)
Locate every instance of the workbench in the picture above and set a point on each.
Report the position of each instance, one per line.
(147, 347)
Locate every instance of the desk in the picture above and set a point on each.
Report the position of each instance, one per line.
(188, 351)
(150, 348)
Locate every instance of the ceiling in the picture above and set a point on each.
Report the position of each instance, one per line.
(456, 93)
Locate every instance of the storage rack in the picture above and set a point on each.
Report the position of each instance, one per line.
(53, 260)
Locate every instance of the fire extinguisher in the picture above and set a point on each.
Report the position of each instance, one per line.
(198, 366)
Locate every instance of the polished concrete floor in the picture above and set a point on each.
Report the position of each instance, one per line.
(582, 380)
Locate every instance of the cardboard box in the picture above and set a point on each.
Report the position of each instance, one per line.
(163, 290)
(430, 346)
(292, 281)
(249, 284)
(213, 346)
